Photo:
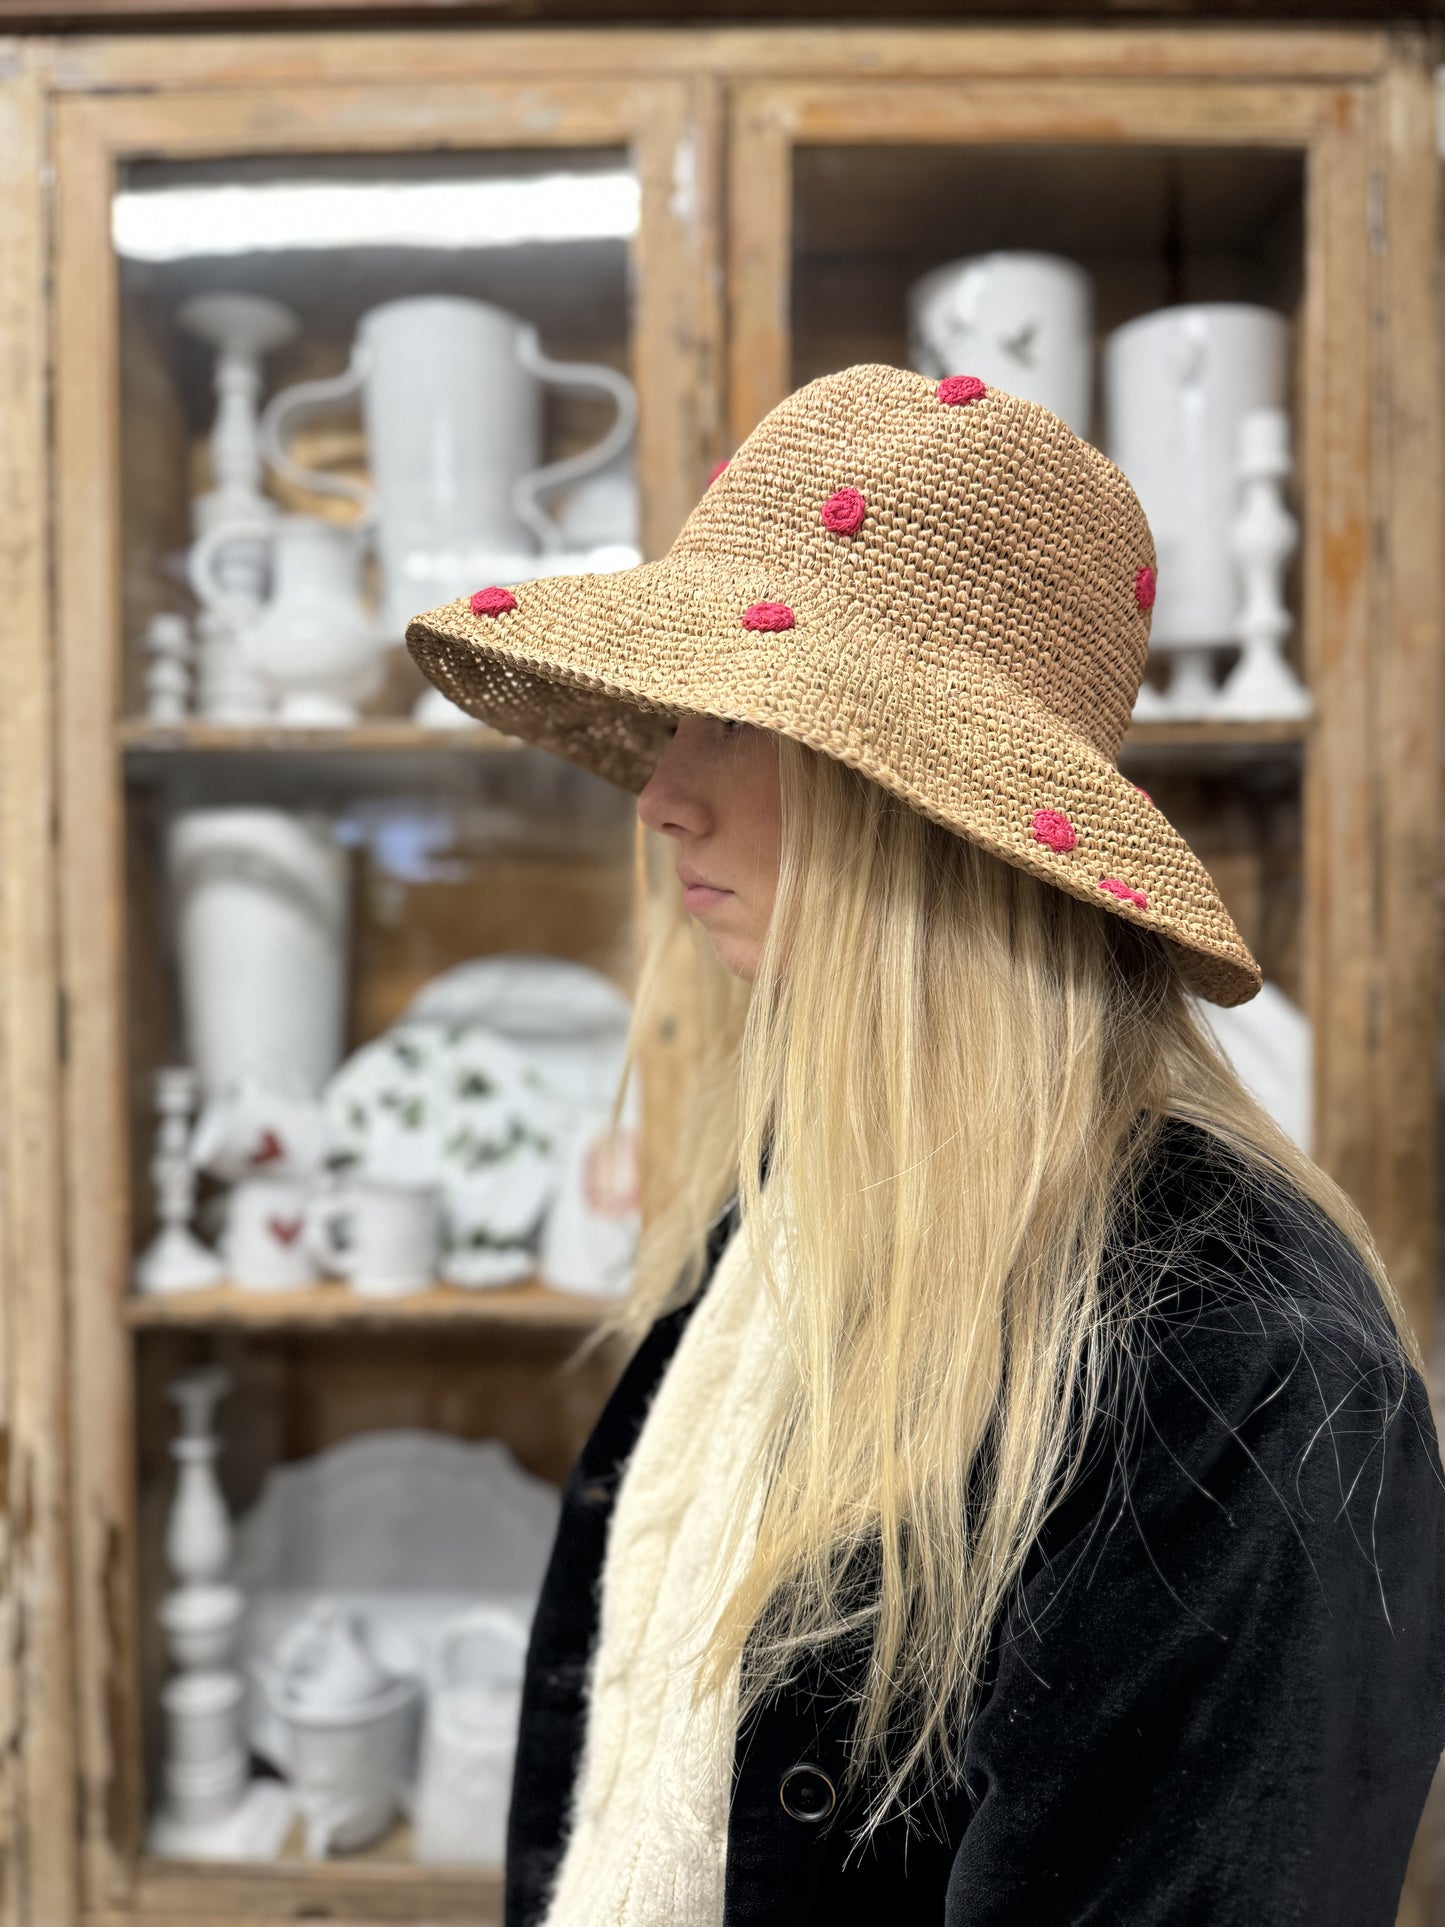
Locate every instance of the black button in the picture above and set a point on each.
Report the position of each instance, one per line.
(807, 1794)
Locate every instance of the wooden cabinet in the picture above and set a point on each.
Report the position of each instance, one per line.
(789, 185)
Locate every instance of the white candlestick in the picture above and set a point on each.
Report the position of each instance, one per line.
(175, 1259)
(1262, 686)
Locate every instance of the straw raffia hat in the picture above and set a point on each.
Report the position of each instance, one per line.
(935, 582)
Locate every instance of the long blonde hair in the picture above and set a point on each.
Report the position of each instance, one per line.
(956, 1072)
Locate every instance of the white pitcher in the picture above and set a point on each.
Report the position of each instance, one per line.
(451, 396)
(314, 644)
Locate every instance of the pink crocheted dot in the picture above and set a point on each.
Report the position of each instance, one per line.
(493, 602)
(1144, 793)
(1118, 888)
(955, 390)
(1145, 583)
(843, 511)
(716, 470)
(768, 615)
(1054, 830)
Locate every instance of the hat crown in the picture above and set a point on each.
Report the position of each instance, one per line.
(986, 525)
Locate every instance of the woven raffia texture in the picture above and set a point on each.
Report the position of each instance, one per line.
(973, 640)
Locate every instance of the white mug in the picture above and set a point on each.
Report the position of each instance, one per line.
(266, 1245)
(385, 1239)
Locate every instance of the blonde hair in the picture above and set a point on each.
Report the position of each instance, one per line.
(956, 1073)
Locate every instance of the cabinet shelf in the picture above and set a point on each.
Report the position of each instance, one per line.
(1206, 745)
(336, 1306)
(140, 737)
(244, 763)
(381, 1882)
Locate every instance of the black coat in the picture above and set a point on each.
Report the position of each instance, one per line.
(1225, 1701)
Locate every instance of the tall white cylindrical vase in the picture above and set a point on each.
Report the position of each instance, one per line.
(263, 901)
(1020, 321)
(1177, 384)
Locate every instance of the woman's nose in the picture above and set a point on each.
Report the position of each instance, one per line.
(670, 801)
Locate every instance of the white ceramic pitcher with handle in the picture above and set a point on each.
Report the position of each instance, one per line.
(451, 398)
(314, 645)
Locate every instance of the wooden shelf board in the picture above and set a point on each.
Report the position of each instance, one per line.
(334, 1305)
(1205, 734)
(1204, 747)
(381, 1882)
(139, 736)
(146, 742)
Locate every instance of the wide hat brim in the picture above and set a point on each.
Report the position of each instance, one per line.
(595, 667)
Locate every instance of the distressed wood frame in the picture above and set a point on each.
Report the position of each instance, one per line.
(1358, 102)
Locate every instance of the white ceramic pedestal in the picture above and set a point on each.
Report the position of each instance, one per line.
(254, 1830)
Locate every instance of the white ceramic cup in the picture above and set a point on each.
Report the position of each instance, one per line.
(265, 1244)
(385, 1239)
(349, 1766)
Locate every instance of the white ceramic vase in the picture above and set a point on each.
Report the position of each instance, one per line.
(263, 906)
(1178, 383)
(469, 1743)
(1019, 321)
(451, 394)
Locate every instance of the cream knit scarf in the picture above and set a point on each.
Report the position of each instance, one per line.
(650, 1810)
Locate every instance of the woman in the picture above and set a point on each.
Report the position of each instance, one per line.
(1023, 1504)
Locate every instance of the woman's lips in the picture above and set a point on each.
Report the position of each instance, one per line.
(698, 897)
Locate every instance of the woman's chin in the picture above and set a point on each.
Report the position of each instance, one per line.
(735, 954)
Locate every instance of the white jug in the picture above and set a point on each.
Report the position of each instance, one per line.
(314, 644)
(451, 400)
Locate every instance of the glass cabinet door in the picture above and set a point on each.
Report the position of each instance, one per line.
(1137, 258)
(349, 972)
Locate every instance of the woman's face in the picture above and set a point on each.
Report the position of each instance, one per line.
(715, 792)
